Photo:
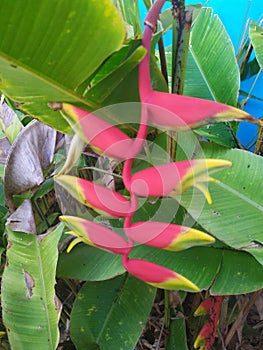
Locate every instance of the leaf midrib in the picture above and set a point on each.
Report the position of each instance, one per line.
(202, 73)
(46, 80)
(240, 195)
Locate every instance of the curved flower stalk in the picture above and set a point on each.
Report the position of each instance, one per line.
(178, 111)
(206, 337)
(163, 180)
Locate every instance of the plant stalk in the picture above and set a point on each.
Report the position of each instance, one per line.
(181, 36)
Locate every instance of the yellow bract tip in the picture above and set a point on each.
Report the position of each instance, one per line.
(217, 163)
(205, 191)
(200, 311)
(198, 174)
(199, 342)
(73, 243)
(190, 238)
(179, 283)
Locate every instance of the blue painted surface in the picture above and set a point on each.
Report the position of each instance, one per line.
(233, 14)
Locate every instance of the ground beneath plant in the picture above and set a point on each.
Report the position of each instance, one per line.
(248, 333)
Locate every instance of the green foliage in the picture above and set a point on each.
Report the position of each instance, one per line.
(205, 71)
(209, 77)
(177, 338)
(30, 310)
(218, 269)
(79, 264)
(103, 310)
(235, 215)
(44, 51)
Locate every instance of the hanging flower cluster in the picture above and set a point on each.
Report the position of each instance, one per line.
(169, 112)
(163, 180)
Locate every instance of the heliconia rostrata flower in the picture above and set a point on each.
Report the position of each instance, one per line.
(96, 235)
(166, 236)
(102, 136)
(103, 200)
(168, 111)
(157, 275)
(175, 178)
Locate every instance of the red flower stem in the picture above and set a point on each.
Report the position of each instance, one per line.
(145, 87)
(125, 260)
(137, 146)
(153, 14)
(128, 219)
(134, 207)
(126, 173)
(144, 68)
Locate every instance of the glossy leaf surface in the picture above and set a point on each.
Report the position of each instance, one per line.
(235, 216)
(38, 52)
(103, 310)
(207, 76)
(89, 264)
(227, 271)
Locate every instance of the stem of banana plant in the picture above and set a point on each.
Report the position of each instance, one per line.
(163, 59)
(181, 35)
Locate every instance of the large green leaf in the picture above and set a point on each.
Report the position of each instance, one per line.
(223, 270)
(48, 49)
(111, 315)
(239, 273)
(212, 72)
(89, 264)
(127, 90)
(30, 310)
(235, 216)
(256, 35)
